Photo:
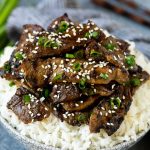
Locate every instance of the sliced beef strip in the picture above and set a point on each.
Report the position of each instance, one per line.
(81, 104)
(115, 56)
(109, 117)
(91, 69)
(37, 75)
(102, 90)
(72, 118)
(35, 110)
(21, 46)
(67, 92)
(137, 77)
(64, 92)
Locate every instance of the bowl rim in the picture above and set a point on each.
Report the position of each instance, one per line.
(27, 140)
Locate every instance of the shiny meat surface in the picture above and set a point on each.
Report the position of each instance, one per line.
(74, 71)
(28, 107)
(110, 113)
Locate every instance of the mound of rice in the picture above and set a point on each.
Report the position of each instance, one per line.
(52, 131)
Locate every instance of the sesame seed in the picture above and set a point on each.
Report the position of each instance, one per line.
(45, 76)
(76, 105)
(42, 99)
(38, 114)
(55, 96)
(54, 109)
(102, 108)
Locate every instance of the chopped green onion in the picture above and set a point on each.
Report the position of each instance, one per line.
(26, 99)
(70, 56)
(77, 66)
(82, 84)
(18, 56)
(50, 43)
(58, 76)
(94, 53)
(104, 76)
(46, 93)
(115, 101)
(79, 54)
(63, 26)
(87, 35)
(94, 34)
(81, 117)
(41, 41)
(135, 82)
(110, 46)
(7, 67)
(112, 103)
(130, 60)
(11, 84)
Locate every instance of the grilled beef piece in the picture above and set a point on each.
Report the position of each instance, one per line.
(64, 92)
(110, 112)
(61, 70)
(28, 107)
(108, 50)
(72, 118)
(92, 75)
(10, 69)
(80, 105)
(137, 77)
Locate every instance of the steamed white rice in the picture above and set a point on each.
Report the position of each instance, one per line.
(52, 131)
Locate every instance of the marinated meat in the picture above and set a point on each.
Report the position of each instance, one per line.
(74, 71)
(28, 107)
(64, 92)
(80, 105)
(61, 70)
(110, 113)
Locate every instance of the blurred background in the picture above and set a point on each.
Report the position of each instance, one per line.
(126, 19)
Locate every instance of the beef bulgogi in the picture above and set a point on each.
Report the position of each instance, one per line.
(74, 71)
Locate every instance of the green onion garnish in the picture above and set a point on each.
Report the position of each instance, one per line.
(63, 26)
(115, 102)
(87, 35)
(110, 46)
(94, 34)
(82, 84)
(130, 60)
(79, 54)
(26, 99)
(70, 56)
(81, 117)
(58, 77)
(41, 41)
(135, 82)
(46, 93)
(7, 67)
(18, 56)
(104, 76)
(50, 43)
(94, 53)
(11, 83)
(77, 66)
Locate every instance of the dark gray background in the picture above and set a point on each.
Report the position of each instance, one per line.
(121, 27)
